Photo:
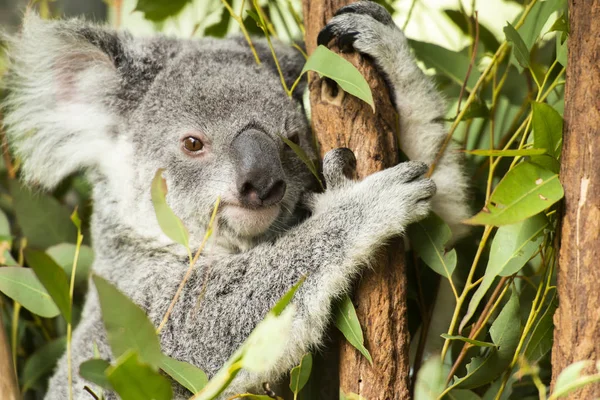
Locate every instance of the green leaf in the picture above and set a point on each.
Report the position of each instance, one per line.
(467, 340)
(4, 225)
(189, 376)
(560, 25)
(547, 129)
(429, 238)
(170, 223)
(304, 157)
(461, 394)
(524, 191)
(43, 220)
(327, 63)
(127, 326)
(507, 153)
(512, 247)
(54, 279)
(21, 285)
(75, 219)
(286, 298)
(431, 379)
(42, 362)
(450, 63)
(299, 375)
(561, 51)
(94, 370)
(347, 322)
(134, 380)
(158, 10)
(222, 379)
(571, 378)
(538, 16)
(268, 342)
(520, 49)
(219, 29)
(485, 35)
(541, 339)
(64, 253)
(505, 332)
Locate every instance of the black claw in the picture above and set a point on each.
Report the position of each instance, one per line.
(345, 42)
(325, 35)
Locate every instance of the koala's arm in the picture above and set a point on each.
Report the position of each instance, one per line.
(369, 29)
(213, 318)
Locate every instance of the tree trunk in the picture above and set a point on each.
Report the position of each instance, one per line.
(8, 381)
(341, 120)
(577, 321)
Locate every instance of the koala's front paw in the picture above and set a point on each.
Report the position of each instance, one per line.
(398, 196)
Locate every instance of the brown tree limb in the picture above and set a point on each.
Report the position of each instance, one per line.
(577, 319)
(8, 380)
(341, 120)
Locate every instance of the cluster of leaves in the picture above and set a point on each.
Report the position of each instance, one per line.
(506, 104)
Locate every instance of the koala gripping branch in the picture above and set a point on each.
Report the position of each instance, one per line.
(341, 120)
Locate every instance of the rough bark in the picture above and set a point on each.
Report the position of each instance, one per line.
(341, 120)
(577, 320)
(8, 381)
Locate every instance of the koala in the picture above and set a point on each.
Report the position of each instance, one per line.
(87, 98)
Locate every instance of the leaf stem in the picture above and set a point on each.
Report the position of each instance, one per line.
(207, 235)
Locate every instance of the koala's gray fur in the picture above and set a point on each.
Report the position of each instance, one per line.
(83, 97)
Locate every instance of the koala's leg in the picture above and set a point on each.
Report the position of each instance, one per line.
(368, 28)
(227, 296)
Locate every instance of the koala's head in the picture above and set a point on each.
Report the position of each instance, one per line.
(84, 97)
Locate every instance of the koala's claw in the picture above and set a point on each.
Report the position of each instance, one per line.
(369, 8)
(339, 166)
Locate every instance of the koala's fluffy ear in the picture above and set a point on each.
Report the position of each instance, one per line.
(62, 84)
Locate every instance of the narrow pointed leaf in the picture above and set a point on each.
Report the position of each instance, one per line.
(304, 157)
(158, 10)
(512, 247)
(525, 190)
(127, 326)
(541, 339)
(520, 49)
(94, 370)
(134, 380)
(299, 375)
(429, 238)
(507, 153)
(327, 63)
(547, 129)
(189, 376)
(42, 362)
(21, 285)
(54, 279)
(347, 322)
(170, 223)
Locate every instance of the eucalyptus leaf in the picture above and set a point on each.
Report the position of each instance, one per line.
(505, 333)
(450, 63)
(327, 63)
(507, 153)
(134, 380)
(520, 49)
(54, 279)
(561, 51)
(42, 219)
(170, 223)
(42, 362)
(461, 394)
(299, 151)
(222, 379)
(94, 370)
(572, 378)
(542, 337)
(127, 326)
(467, 340)
(347, 322)
(547, 129)
(158, 10)
(189, 376)
(431, 379)
(64, 253)
(299, 375)
(512, 247)
(23, 286)
(429, 237)
(524, 191)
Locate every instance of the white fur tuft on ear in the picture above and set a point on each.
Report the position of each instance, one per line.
(60, 84)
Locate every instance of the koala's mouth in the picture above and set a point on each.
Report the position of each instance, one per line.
(249, 221)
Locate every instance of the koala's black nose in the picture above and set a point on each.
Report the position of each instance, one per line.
(260, 178)
(257, 191)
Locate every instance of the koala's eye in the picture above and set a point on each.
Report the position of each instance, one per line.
(192, 144)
